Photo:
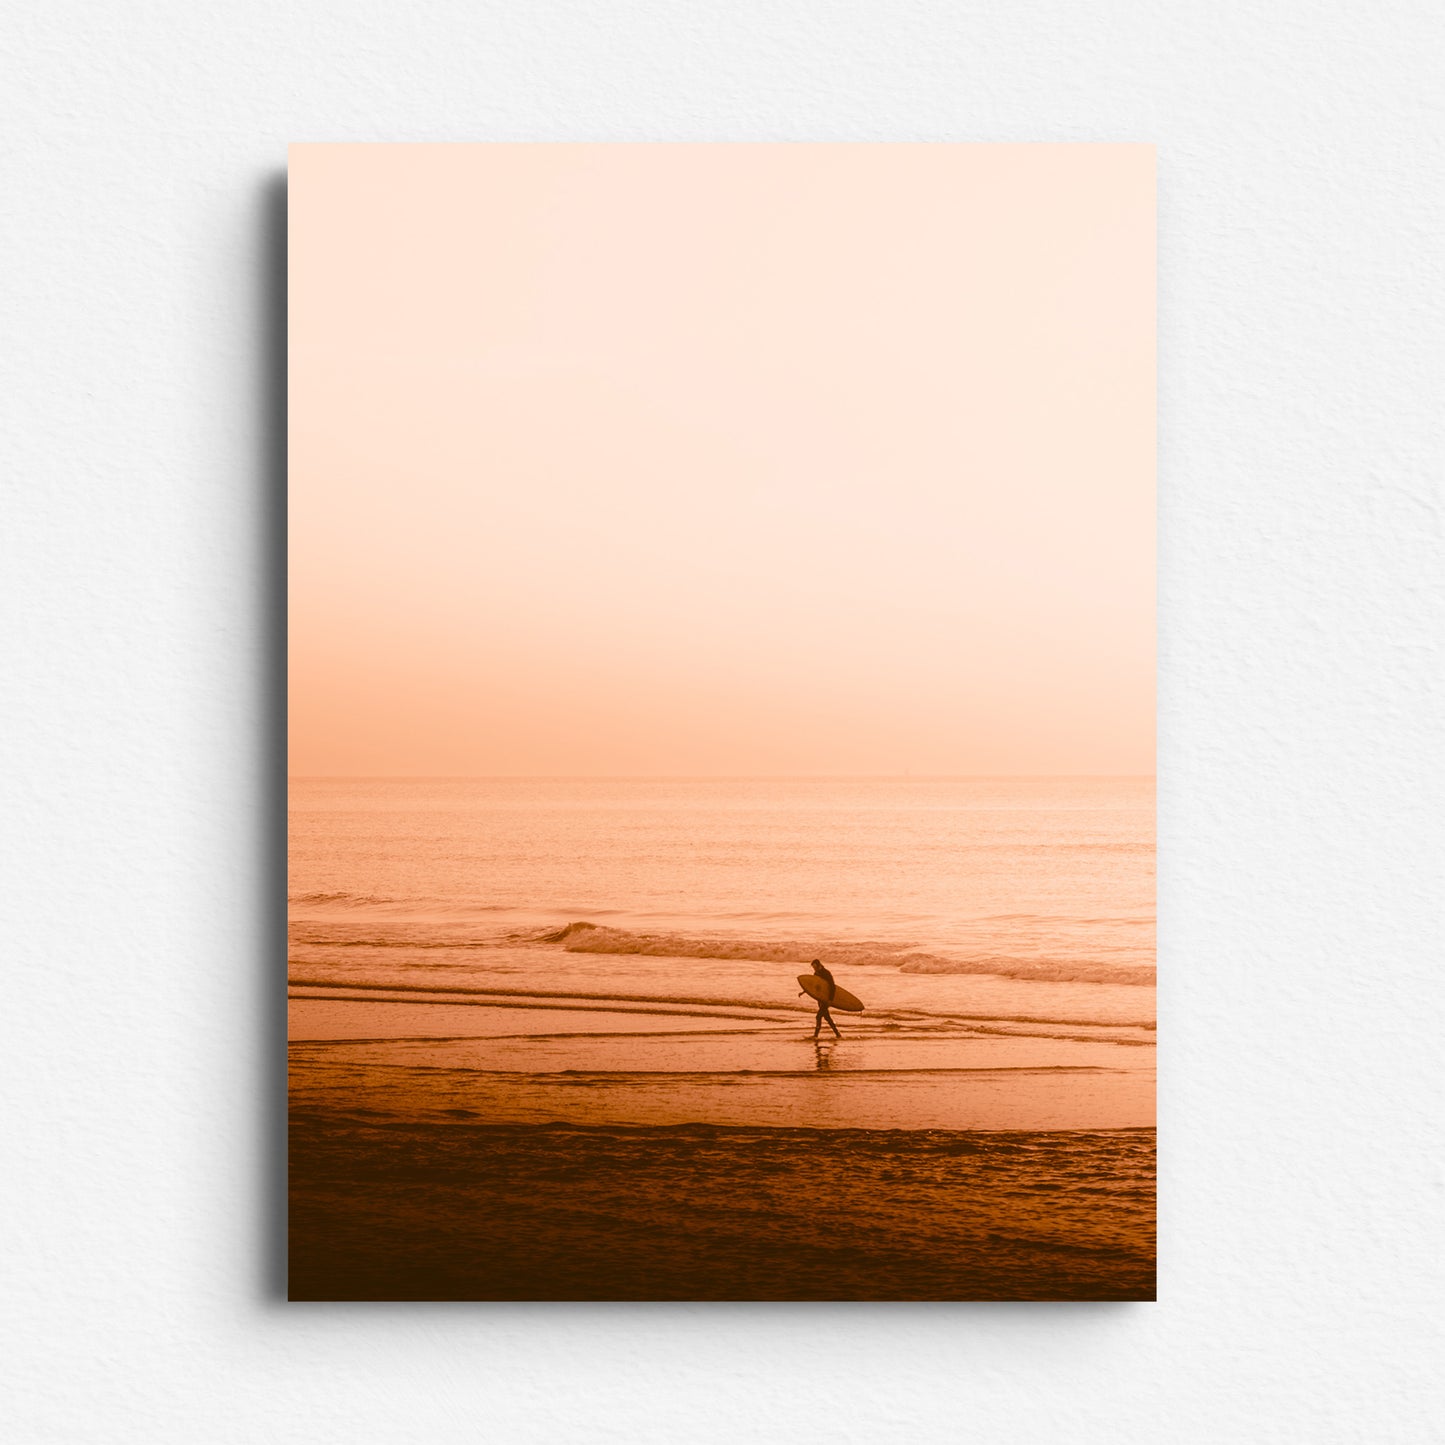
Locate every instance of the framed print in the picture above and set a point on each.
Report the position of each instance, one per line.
(722, 722)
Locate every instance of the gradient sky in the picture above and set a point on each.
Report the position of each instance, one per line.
(724, 459)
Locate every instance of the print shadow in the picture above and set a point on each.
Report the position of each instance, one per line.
(270, 283)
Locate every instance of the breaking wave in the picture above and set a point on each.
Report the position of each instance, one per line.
(582, 937)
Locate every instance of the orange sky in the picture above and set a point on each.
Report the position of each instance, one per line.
(727, 459)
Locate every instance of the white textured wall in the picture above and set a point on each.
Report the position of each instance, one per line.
(1301, 601)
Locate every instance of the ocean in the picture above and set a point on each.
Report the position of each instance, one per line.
(590, 980)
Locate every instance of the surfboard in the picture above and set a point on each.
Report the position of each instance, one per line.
(817, 988)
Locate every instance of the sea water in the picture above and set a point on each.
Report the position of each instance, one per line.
(1028, 897)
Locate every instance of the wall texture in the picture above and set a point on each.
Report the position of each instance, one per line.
(1301, 802)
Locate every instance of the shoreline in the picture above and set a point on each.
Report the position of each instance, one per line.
(508, 1062)
(473, 1138)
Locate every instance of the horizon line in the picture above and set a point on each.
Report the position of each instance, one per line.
(676, 777)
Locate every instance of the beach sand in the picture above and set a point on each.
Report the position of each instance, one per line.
(451, 1145)
(470, 1211)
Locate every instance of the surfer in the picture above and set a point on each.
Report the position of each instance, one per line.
(823, 1002)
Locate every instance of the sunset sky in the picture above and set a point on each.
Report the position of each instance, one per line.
(729, 459)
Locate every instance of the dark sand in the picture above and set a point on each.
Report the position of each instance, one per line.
(399, 1210)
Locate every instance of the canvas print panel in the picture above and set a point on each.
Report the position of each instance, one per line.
(722, 801)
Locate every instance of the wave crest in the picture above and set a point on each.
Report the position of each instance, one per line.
(582, 937)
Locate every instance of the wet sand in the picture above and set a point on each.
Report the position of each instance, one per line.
(520, 1065)
(466, 1145)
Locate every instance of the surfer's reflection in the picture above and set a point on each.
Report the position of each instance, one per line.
(823, 1053)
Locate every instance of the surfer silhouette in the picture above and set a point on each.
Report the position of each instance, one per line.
(823, 1014)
